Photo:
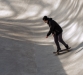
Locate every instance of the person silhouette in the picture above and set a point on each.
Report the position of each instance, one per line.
(56, 31)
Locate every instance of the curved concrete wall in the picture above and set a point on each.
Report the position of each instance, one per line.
(68, 13)
(24, 50)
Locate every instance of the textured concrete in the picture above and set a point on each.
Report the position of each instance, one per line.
(24, 50)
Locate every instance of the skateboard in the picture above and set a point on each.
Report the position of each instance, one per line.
(62, 51)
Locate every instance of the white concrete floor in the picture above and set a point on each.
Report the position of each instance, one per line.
(24, 50)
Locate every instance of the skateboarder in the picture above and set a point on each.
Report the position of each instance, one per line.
(56, 31)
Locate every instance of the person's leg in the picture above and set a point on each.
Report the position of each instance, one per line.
(61, 40)
(57, 42)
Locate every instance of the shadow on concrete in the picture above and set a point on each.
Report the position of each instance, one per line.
(16, 57)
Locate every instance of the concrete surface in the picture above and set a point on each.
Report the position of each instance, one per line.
(24, 50)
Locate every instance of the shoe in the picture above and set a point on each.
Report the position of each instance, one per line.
(67, 47)
(58, 50)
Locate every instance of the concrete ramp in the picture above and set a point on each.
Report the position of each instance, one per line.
(24, 50)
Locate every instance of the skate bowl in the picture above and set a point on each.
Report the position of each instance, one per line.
(24, 50)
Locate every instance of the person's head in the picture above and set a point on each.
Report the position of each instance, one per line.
(45, 19)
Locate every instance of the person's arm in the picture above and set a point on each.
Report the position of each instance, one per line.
(51, 29)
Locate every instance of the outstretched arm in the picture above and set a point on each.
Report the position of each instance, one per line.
(50, 31)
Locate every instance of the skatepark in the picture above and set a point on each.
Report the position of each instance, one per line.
(24, 48)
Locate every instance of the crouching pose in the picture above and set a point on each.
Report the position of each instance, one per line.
(56, 30)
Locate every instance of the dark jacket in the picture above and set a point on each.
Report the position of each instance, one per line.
(54, 27)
